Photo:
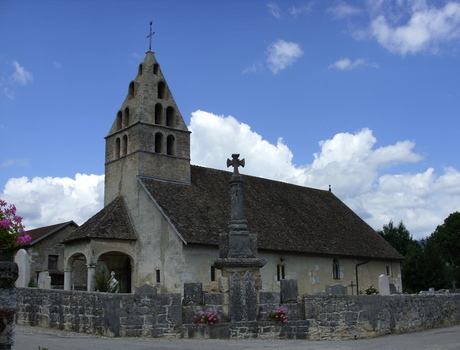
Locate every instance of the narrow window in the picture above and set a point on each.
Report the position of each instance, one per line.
(170, 115)
(158, 114)
(161, 89)
(126, 117)
(170, 141)
(155, 68)
(280, 272)
(140, 69)
(213, 273)
(157, 274)
(124, 150)
(117, 148)
(158, 142)
(388, 270)
(53, 262)
(335, 269)
(131, 90)
(119, 118)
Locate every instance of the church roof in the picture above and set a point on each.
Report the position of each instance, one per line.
(112, 222)
(42, 232)
(286, 217)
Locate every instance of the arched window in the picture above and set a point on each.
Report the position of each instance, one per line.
(124, 149)
(158, 142)
(155, 68)
(158, 114)
(119, 120)
(170, 116)
(170, 144)
(131, 90)
(140, 69)
(161, 89)
(280, 272)
(117, 148)
(126, 117)
(335, 269)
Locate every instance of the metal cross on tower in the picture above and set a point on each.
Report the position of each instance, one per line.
(235, 163)
(150, 37)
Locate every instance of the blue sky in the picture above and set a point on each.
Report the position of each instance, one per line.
(361, 95)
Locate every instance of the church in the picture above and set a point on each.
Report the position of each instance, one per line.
(163, 217)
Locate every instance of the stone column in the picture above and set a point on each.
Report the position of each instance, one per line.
(8, 304)
(91, 283)
(67, 278)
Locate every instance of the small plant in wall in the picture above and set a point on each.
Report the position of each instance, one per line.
(278, 315)
(206, 317)
(371, 290)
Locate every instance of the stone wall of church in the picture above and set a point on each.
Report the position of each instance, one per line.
(313, 273)
(321, 317)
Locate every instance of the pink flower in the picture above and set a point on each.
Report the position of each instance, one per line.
(5, 223)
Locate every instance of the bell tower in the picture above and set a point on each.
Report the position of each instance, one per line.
(148, 137)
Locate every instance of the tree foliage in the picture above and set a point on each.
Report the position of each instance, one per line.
(433, 262)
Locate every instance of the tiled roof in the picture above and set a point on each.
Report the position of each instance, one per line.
(112, 222)
(41, 232)
(286, 217)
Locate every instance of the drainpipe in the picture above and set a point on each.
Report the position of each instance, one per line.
(356, 273)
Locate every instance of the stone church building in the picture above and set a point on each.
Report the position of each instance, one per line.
(163, 217)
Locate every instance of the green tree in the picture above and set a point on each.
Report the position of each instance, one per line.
(446, 242)
(434, 271)
(398, 236)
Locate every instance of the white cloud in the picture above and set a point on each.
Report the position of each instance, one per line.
(343, 10)
(347, 64)
(15, 162)
(47, 201)
(281, 54)
(20, 75)
(297, 10)
(351, 163)
(274, 9)
(426, 29)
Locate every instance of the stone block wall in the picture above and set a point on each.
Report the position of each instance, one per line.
(312, 317)
(367, 316)
(133, 315)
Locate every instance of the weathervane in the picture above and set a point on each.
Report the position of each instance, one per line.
(150, 37)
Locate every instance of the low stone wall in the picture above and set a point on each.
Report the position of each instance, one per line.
(167, 315)
(368, 316)
(132, 315)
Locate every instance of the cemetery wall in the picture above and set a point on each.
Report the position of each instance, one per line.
(312, 317)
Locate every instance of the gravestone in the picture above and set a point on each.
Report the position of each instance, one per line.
(336, 289)
(384, 286)
(193, 293)
(44, 280)
(243, 299)
(289, 291)
(22, 260)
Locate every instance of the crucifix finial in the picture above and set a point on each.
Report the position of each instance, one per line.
(235, 163)
(150, 37)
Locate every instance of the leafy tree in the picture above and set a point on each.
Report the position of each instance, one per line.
(412, 268)
(434, 272)
(398, 236)
(446, 242)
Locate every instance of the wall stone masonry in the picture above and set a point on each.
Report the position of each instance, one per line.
(313, 317)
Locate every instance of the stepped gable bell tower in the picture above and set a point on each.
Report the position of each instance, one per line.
(148, 137)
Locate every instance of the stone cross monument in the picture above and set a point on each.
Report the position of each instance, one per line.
(241, 280)
(238, 247)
